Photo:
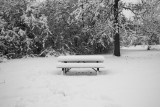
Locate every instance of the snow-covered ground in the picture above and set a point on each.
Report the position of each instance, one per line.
(132, 80)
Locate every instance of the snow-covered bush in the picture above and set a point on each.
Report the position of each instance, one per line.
(76, 29)
(23, 33)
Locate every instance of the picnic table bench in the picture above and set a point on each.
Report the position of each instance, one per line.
(80, 61)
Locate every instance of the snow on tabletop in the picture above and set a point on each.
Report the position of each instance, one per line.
(131, 80)
(81, 58)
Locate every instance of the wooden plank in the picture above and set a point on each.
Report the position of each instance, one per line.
(89, 58)
(80, 65)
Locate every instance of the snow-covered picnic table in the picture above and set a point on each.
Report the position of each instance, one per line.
(80, 61)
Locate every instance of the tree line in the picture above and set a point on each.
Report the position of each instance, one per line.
(54, 27)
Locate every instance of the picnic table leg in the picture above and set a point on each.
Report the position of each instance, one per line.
(63, 69)
(97, 72)
(97, 68)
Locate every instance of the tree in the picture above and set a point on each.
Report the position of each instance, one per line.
(79, 27)
(146, 21)
(150, 21)
(116, 28)
(24, 30)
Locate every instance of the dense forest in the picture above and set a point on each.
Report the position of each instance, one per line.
(29, 28)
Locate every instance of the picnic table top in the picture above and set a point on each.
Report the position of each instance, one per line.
(81, 58)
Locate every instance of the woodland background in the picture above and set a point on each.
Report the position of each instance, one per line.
(29, 28)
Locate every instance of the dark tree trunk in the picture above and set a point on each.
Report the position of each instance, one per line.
(116, 45)
(116, 34)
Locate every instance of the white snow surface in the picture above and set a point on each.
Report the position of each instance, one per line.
(81, 58)
(132, 80)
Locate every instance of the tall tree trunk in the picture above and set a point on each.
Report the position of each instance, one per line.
(116, 34)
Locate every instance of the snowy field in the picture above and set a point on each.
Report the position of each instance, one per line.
(132, 80)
